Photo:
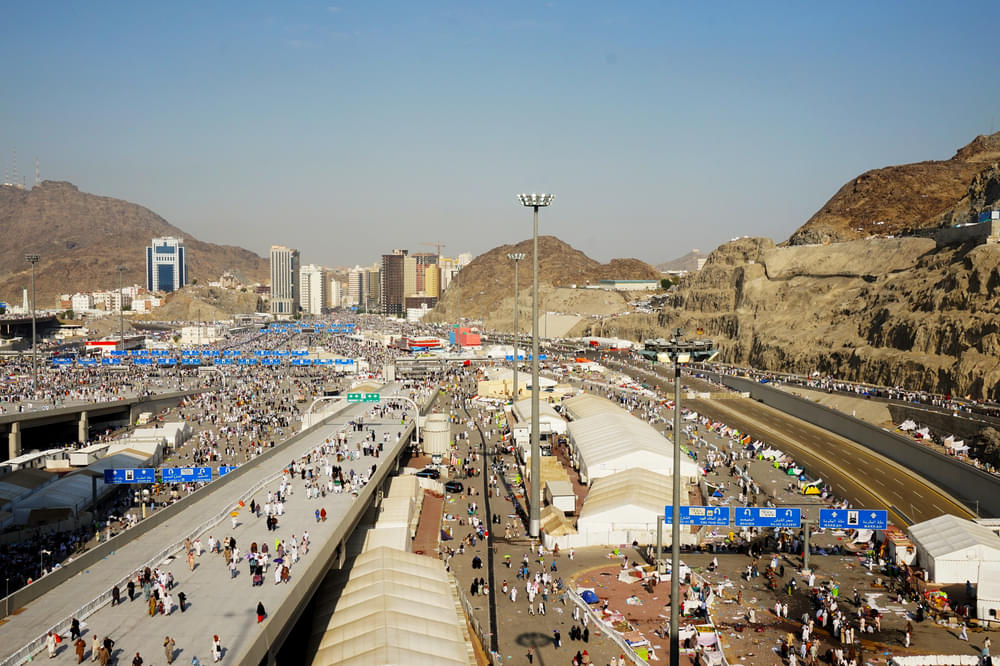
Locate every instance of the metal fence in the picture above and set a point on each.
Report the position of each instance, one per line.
(482, 631)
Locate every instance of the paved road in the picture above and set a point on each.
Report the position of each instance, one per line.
(218, 604)
(864, 478)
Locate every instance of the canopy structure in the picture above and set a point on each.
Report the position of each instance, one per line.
(613, 442)
(585, 404)
(988, 592)
(953, 550)
(633, 499)
(74, 492)
(547, 416)
(397, 608)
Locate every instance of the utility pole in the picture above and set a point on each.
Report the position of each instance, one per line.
(121, 304)
(33, 259)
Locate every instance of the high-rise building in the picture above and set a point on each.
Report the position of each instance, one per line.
(432, 281)
(374, 286)
(166, 264)
(333, 295)
(284, 281)
(312, 289)
(356, 285)
(409, 276)
(393, 280)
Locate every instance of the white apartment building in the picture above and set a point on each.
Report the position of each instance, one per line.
(312, 289)
(284, 281)
(81, 302)
(334, 296)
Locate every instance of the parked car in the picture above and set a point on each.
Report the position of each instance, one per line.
(429, 473)
(454, 487)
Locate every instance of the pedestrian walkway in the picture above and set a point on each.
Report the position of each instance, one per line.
(218, 603)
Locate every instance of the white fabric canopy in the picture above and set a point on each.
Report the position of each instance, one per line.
(952, 550)
(585, 404)
(630, 500)
(613, 442)
(397, 608)
(546, 414)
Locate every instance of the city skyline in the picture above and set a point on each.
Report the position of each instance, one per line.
(660, 128)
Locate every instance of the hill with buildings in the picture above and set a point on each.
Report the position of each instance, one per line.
(900, 199)
(691, 261)
(487, 284)
(80, 239)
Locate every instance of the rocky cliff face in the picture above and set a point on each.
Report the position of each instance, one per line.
(899, 199)
(891, 311)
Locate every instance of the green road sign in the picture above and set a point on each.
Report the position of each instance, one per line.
(355, 397)
(372, 397)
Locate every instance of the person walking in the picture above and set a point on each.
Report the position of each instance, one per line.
(260, 612)
(131, 589)
(137, 661)
(50, 644)
(80, 646)
(74, 629)
(556, 638)
(95, 646)
(181, 598)
(116, 596)
(216, 648)
(168, 649)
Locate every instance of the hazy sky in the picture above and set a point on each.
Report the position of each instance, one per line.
(349, 129)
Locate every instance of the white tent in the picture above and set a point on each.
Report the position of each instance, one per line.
(907, 425)
(953, 550)
(397, 608)
(988, 592)
(547, 416)
(613, 442)
(585, 404)
(629, 502)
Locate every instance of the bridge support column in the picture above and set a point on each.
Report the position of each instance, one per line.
(341, 555)
(14, 440)
(83, 429)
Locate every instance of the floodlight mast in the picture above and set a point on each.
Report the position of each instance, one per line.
(535, 201)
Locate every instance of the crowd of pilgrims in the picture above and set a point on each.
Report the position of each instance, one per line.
(254, 410)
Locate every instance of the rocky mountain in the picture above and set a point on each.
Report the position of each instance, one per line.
(899, 199)
(689, 262)
(892, 311)
(82, 237)
(488, 281)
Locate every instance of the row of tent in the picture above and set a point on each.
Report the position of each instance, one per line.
(169, 361)
(210, 353)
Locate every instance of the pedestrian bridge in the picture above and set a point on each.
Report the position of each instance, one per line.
(217, 603)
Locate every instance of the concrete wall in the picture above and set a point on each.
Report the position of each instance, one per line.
(964, 482)
(940, 423)
(984, 232)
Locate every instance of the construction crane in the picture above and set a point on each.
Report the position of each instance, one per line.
(438, 245)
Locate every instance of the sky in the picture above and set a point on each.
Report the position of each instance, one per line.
(350, 129)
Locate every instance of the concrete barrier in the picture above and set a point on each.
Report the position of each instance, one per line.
(970, 485)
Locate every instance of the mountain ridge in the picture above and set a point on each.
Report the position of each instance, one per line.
(81, 237)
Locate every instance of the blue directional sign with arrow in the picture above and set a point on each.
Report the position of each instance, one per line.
(864, 519)
(700, 515)
(754, 516)
(184, 474)
(130, 475)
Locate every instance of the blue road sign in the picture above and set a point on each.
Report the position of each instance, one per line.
(864, 519)
(184, 474)
(226, 469)
(753, 516)
(130, 475)
(700, 515)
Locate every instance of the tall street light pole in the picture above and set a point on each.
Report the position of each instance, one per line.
(33, 259)
(121, 304)
(535, 201)
(680, 351)
(516, 257)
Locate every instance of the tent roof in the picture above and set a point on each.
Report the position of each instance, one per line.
(585, 404)
(74, 491)
(949, 534)
(614, 437)
(633, 487)
(396, 608)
